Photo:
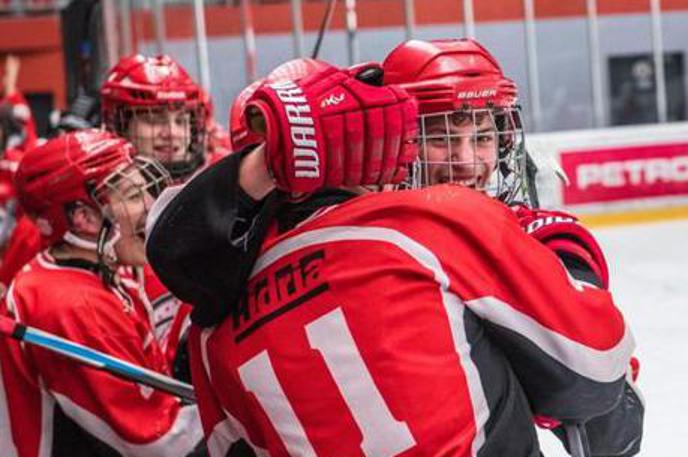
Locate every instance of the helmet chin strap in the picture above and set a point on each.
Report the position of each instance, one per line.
(77, 241)
(105, 246)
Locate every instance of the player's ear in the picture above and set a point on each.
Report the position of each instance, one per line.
(84, 220)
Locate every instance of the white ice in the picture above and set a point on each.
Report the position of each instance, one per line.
(649, 280)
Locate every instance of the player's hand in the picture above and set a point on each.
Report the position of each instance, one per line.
(332, 129)
(562, 233)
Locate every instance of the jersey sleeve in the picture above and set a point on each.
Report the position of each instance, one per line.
(221, 232)
(130, 418)
(566, 340)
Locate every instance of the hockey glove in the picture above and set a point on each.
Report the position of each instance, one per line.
(572, 242)
(332, 129)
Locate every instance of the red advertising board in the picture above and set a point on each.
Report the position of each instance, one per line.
(625, 172)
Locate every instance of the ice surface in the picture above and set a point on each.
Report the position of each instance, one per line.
(649, 278)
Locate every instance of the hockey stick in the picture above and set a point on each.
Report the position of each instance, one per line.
(327, 18)
(577, 439)
(96, 359)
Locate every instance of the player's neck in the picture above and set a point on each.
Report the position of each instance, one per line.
(65, 251)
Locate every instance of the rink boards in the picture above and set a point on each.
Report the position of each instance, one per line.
(617, 175)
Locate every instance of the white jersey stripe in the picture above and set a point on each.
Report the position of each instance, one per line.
(47, 412)
(453, 304)
(599, 365)
(221, 439)
(227, 433)
(182, 437)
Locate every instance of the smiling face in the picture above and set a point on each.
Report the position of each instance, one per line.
(126, 197)
(460, 147)
(162, 132)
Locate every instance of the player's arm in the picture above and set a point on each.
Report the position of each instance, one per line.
(254, 178)
(566, 341)
(619, 431)
(203, 238)
(127, 417)
(575, 246)
(568, 344)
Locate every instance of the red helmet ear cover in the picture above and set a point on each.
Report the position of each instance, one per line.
(65, 170)
(447, 75)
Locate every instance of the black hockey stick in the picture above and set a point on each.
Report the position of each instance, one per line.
(324, 25)
(96, 359)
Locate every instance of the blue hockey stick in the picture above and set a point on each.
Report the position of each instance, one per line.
(96, 359)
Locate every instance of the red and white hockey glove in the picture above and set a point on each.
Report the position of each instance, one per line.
(330, 129)
(562, 233)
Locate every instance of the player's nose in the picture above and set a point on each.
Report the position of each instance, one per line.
(462, 150)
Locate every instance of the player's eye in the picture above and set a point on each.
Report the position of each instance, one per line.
(181, 120)
(485, 138)
(437, 139)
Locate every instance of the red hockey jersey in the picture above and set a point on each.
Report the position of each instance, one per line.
(169, 315)
(53, 406)
(415, 323)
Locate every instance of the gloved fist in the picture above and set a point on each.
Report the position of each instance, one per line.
(331, 129)
(562, 233)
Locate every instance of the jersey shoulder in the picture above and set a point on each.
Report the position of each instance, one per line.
(437, 206)
(53, 297)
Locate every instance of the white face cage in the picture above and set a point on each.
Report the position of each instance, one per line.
(125, 197)
(478, 148)
(174, 134)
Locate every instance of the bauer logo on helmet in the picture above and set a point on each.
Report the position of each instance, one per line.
(469, 94)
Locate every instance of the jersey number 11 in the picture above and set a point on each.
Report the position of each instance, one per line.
(383, 435)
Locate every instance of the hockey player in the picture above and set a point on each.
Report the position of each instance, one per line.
(472, 135)
(383, 324)
(154, 103)
(76, 187)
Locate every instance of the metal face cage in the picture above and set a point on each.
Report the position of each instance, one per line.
(127, 194)
(172, 133)
(478, 148)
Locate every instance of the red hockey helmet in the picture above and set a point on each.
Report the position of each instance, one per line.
(158, 93)
(66, 170)
(296, 69)
(470, 127)
(448, 75)
(293, 69)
